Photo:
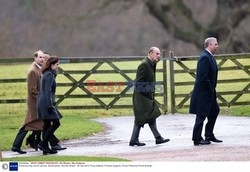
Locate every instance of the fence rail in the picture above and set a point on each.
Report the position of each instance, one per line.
(180, 68)
(87, 81)
(184, 69)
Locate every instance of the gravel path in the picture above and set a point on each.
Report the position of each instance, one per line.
(113, 142)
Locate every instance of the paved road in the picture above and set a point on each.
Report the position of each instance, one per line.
(113, 142)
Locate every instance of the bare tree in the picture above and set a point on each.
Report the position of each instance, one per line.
(178, 19)
(108, 27)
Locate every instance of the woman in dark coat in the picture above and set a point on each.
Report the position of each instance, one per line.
(46, 103)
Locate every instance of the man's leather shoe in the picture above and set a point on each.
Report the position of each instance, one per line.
(160, 140)
(136, 144)
(202, 142)
(58, 147)
(42, 147)
(49, 151)
(213, 139)
(16, 149)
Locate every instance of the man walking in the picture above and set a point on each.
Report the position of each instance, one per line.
(32, 123)
(144, 104)
(203, 100)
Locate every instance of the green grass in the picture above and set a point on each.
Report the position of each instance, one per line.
(221, 87)
(78, 123)
(63, 158)
(73, 125)
(241, 111)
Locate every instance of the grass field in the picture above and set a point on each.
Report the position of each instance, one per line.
(64, 158)
(77, 123)
(221, 87)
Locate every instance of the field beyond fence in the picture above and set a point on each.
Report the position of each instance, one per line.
(90, 87)
(107, 82)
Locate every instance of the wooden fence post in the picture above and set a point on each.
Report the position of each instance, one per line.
(1, 157)
(172, 85)
(165, 89)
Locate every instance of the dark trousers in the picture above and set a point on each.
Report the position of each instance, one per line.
(19, 137)
(34, 138)
(197, 130)
(22, 133)
(49, 127)
(137, 128)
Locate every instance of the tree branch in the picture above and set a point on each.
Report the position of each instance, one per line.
(100, 7)
(187, 30)
(239, 15)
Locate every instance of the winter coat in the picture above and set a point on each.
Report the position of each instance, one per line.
(204, 93)
(144, 104)
(46, 98)
(32, 123)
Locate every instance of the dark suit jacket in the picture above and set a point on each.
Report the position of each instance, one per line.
(203, 100)
(144, 105)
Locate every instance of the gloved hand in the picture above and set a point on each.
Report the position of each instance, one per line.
(50, 109)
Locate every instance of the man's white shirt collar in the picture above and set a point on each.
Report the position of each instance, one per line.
(209, 52)
(38, 66)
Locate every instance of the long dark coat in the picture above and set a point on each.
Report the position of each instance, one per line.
(46, 96)
(32, 123)
(144, 105)
(203, 100)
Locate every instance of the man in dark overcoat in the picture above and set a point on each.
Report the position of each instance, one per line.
(144, 105)
(203, 100)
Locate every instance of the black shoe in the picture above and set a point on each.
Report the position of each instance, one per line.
(52, 151)
(136, 143)
(202, 142)
(58, 147)
(160, 140)
(16, 149)
(46, 150)
(49, 151)
(213, 139)
(42, 147)
(37, 141)
(31, 141)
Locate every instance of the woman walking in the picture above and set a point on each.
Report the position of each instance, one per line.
(46, 103)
